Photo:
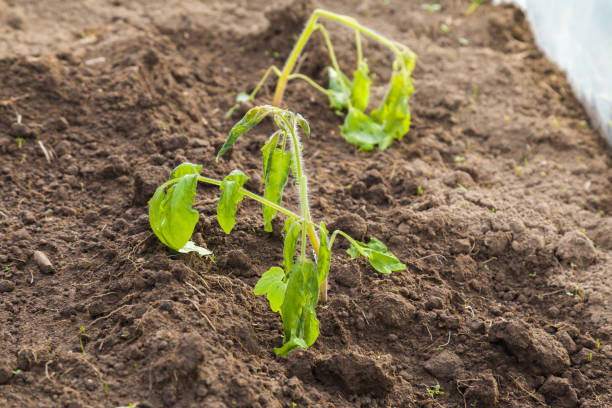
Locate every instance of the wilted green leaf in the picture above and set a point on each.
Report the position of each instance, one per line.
(185, 168)
(360, 92)
(300, 325)
(359, 129)
(266, 150)
(273, 285)
(190, 246)
(250, 119)
(380, 258)
(303, 123)
(170, 214)
(230, 197)
(338, 99)
(276, 179)
(394, 113)
(292, 231)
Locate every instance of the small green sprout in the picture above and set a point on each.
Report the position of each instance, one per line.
(20, 142)
(543, 173)
(590, 356)
(17, 371)
(584, 124)
(431, 7)
(492, 210)
(445, 28)
(83, 338)
(568, 293)
(486, 267)
(459, 159)
(294, 289)
(532, 275)
(5, 269)
(598, 345)
(389, 121)
(464, 42)
(434, 391)
(419, 190)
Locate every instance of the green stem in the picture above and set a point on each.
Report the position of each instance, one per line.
(349, 239)
(247, 193)
(358, 47)
(303, 39)
(332, 56)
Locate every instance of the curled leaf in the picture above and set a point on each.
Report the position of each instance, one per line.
(250, 119)
(230, 197)
(276, 178)
(170, 214)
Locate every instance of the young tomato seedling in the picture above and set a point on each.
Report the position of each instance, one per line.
(391, 120)
(292, 290)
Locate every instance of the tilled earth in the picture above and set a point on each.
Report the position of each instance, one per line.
(498, 200)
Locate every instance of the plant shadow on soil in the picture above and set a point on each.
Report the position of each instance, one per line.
(498, 200)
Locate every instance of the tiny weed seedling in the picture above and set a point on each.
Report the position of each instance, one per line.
(391, 120)
(434, 391)
(292, 290)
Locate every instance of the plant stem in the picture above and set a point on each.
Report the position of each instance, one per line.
(303, 39)
(249, 194)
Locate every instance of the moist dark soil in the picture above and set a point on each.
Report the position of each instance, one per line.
(498, 200)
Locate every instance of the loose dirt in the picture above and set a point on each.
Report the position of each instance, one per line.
(506, 298)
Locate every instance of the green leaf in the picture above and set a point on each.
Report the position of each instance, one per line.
(170, 214)
(276, 179)
(266, 150)
(185, 168)
(360, 92)
(190, 246)
(361, 130)
(250, 119)
(324, 256)
(272, 283)
(303, 123)
(300, 324)
(292, 231)
(381, 259)
(394, 112)
(230, 197)
(338, 99)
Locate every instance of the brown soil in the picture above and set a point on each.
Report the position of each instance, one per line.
(506, 299)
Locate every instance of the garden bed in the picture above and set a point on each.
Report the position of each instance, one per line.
(498, 200)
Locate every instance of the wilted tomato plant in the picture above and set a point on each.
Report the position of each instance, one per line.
(293, 289)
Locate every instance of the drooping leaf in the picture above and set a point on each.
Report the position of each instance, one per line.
(250, 119)
(185, 168)
(280, 161)
(292, 231)
(170, 214)
(361, 130)
(324, 256)
(338, 97)
(190, 246)
(266, 150)
(360, 92)
(381, 259)
(303, 123)
(300, 325)
(394, 112)
(230, 197)
(273, 285)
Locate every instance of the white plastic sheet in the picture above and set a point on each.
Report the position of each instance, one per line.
(577, 35)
